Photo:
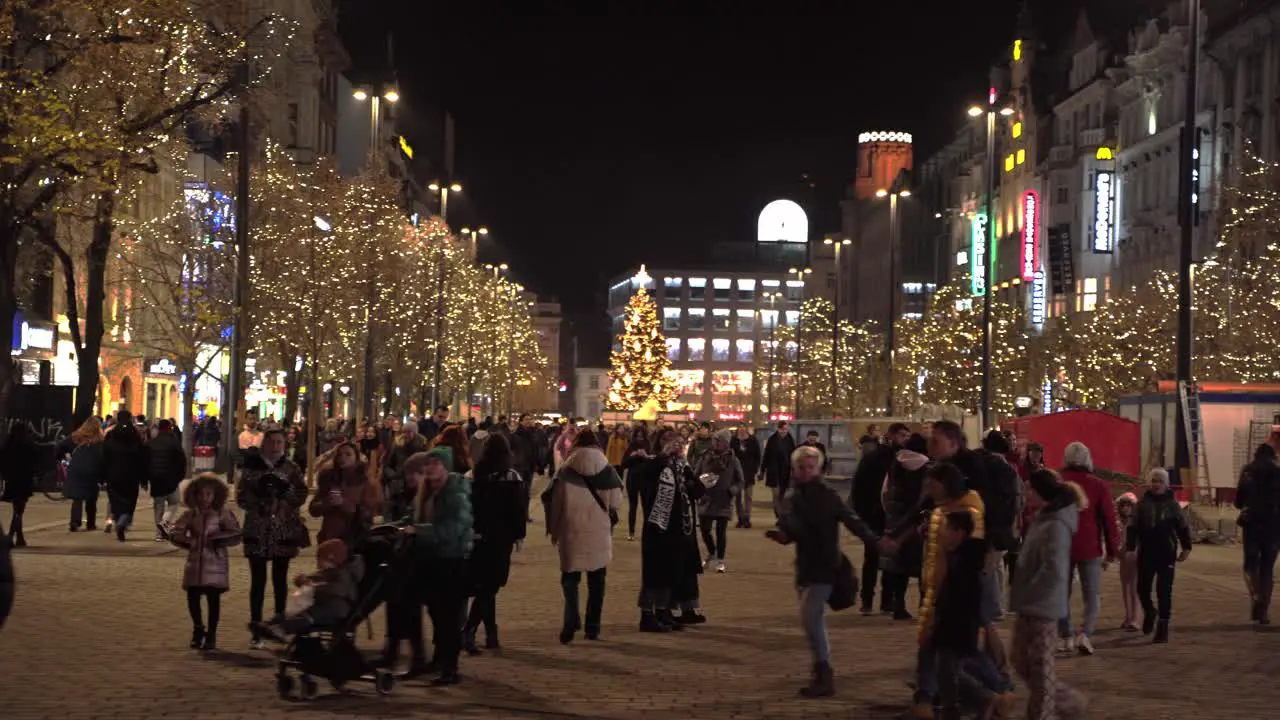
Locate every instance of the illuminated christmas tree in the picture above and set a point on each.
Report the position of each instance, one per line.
(640, 367)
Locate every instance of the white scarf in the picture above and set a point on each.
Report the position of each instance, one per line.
(671, 480)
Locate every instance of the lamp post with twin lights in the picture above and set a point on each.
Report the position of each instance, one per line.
(443, 190)
(799, 273)
(984, 263)
(898, 190)
(375, 110)
(836, 244)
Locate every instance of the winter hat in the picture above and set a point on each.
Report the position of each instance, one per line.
(724, 436)
(443, 452)
(1046, 483)
(1127, 498)
(333, 552)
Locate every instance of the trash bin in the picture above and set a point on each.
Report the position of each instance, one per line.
(203, 456)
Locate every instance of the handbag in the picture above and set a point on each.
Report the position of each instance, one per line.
(844, 591)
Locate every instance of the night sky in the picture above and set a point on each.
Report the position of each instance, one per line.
(592, 141)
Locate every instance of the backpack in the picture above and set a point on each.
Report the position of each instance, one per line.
(1003, 502)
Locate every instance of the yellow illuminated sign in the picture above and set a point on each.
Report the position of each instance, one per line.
(1104, 153)
(1017, 130)
(406, 148)
(1008, 164)
(1017, 50)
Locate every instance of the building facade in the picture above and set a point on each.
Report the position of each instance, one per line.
(590, 390)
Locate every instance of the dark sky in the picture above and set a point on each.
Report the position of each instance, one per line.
(592, 141)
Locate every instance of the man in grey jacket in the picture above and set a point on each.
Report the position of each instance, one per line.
(1039, 594)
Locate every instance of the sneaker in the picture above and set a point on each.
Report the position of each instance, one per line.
(160, 537)
(720, 567)
(108, 528)
(1066, 646)
(1084, 644)
(257, 644)
(631, 538)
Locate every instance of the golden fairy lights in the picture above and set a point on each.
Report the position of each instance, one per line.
(640, 368)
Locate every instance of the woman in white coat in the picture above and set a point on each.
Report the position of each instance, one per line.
(582, 507)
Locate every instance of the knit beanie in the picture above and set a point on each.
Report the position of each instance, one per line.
(333, 552)
(445, 454)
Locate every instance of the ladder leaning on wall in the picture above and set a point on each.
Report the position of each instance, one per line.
(1189, 397)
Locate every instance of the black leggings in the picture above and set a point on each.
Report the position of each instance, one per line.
(258, 585)
(633, 505)
(19, 507)
(1260, 550)
(214, 598)
(1160, 573)
(484, 610)
(715, 547)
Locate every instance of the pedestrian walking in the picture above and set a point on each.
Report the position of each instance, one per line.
(865, 498)
(637, 453)
(746, 448)
(902, 497)
(430, 426)
(205, 529)
(168, 466)
(443, 528)
(811, 518)
(585, 497)
(124, 457)
(19, 464)
(1125, 506)
(669, 554)
(1258, 499)
(616, 447)
(455, 438)
(1158, 529)
(475, 444)
(1093, 548)
(404, 608)
(722, 476)
(270, 491)
(1039, 595)
(1003, 501)
(699, 445)
(777, 463)
(85, 474)
(498, 504)
(407, 444)
(957, 621)
(346, 500)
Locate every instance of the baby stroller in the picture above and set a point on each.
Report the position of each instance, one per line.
(331, 652)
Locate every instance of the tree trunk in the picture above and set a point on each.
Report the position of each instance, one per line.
(313, 420)
(95, 300)
(292, 389)
(8, 308)
(188, 413)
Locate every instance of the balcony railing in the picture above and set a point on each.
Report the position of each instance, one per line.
(1092, 138)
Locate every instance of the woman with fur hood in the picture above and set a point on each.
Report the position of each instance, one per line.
(1038, 594)
(902, 495)
(205, 529)
(583, 502)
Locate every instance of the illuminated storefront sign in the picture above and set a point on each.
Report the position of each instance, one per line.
(1046, 397)
(1038, 299)
(978, 255)
(1030, 234)
(1103, 222)
(160, 366)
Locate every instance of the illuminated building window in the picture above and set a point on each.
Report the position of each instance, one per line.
(673, 349)
(1090, 295)
(912, 288)
(962, 258)
(746, 289)
(697, 319)
(1022, 155)
(746, 320)
(1008, 163)
(793, 318)
(1017, 130)
(697, 288)
(746, 350)
(795, 289)
(670, 318)
(719, 319)
(771, 283)
(673, 283)
(720, 350)
(768, 319)
(697, 349)
(791, 350)
(722, 288)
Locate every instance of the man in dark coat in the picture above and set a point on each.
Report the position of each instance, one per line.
(746, 448)
(430, 427)
(1258, 499)
(528, 447)
(868, 479)
(669, 557)
(124, 459)
(168, 465)
(777, 464)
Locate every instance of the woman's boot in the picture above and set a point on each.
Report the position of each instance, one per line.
(822, 684)
(469, 641)
(491, 638)
(1162, 633)
(197, 637)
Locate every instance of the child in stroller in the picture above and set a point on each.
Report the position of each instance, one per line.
(324, 598)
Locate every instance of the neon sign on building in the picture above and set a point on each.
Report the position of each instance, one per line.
(1103, 220)
(978, 255)
(1030, 234)
(1038, 299)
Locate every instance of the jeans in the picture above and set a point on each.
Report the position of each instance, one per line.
(1260, 550)
(1090, 587)
(88, 509)
(258, 585)
(996, 569)
(716, 546)
(742, 504)
(569, 583)
(1160, 573)
(870, 571)
(813, 607)
(633, 505)
(165, 507)
(15, 525)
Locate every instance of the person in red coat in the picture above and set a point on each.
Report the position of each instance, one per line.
(1094, 546)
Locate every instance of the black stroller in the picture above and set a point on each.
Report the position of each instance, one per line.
(331, 653)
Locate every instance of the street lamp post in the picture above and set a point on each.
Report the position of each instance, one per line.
(836, 244)
(773, 347)
(475, 239)
(375, 111)
(497, 286)
(984, 402)
(890, 344)
(799, 273)
(443, 191)
(1186, 215)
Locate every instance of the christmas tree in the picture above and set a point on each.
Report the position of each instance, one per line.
(640, 366)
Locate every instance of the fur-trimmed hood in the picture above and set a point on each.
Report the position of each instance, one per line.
(589, 466)
(911, 460)
(190, 488)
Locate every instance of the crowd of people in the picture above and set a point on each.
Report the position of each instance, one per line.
(986, 532)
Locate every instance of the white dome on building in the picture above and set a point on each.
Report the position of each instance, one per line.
(783, 221)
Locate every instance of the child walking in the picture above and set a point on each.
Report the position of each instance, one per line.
(1158, 529)
(1125, 505)
(206, 529)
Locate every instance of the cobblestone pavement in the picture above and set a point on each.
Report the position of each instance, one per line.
(100, 631)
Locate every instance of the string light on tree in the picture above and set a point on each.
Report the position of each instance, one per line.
(640, 366)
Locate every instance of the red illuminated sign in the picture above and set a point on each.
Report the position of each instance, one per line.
(1030, 234)
(731, 416)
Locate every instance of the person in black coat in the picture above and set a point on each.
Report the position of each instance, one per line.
(499, 506)
(637, 453)
(19, 464)
(954, 629)
(124, 457)
(746, 448)
(903, 496)
(7, 584)
(168, 466)
(669, 558)
(777, 464)
(1258, 499)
